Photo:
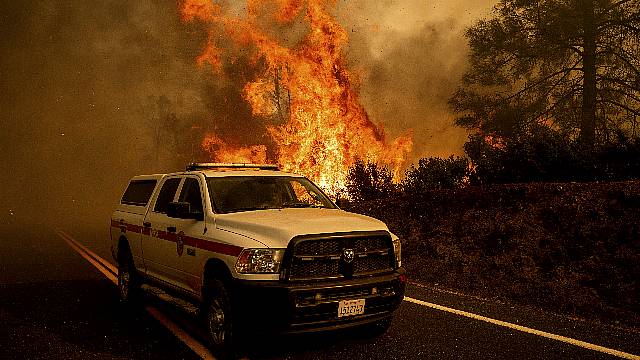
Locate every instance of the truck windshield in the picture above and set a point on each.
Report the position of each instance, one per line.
(246, 193)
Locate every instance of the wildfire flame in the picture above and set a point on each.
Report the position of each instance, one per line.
(495, 141)
(220, 151)
(322, 127)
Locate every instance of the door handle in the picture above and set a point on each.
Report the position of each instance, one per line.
(146, 224)
(171, 229)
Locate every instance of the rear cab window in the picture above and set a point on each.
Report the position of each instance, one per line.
(138, 192)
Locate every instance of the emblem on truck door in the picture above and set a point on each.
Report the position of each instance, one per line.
(348, 255)
(180, 243)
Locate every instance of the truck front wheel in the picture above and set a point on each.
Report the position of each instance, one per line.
(218, 317)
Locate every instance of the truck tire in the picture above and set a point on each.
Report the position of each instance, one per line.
(218, 318)
(128, 284)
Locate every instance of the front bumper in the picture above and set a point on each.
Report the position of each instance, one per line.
(312, 305)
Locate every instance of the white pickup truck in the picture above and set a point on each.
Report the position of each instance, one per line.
(257, 249)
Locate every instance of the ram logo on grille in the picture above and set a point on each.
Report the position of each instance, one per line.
(348, 255)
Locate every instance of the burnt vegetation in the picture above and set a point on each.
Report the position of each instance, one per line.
(567, 247)
(544, 208)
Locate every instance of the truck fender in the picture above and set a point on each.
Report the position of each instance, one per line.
(214, 269)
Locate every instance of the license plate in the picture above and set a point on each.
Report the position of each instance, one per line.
(350, 307)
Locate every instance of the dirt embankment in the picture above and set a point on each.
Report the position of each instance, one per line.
(570, 247)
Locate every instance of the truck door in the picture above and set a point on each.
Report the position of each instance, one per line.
(186, 257)
(160, 243)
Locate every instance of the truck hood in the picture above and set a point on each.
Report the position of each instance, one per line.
(275, 227)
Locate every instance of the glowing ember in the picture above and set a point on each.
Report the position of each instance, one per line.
(306, 88)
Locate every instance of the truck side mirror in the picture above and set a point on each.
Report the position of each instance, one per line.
(182, 210)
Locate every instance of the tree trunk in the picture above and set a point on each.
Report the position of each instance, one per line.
(588, 125)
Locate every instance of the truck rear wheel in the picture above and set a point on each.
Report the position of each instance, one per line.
(128, 284)
(219, 318)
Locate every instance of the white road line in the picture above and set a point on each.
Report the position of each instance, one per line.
(109, 270)
(525, 329)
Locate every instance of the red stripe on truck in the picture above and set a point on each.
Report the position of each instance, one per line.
(134, 228)
(125, 226)
(203, 244)
(217, 247)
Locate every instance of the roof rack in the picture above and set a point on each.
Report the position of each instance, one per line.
(207, 166)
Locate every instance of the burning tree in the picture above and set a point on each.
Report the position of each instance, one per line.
(572, 67)
(305, 91)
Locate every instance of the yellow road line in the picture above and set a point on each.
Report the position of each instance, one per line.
(104, 262)
(105, 271)
(109, 270)
(525, 329)
(192, 343)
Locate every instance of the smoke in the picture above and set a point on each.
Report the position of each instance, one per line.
(411, 55)
(93, 93)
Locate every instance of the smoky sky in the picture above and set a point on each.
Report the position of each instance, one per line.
(412, 55)
(92, 93)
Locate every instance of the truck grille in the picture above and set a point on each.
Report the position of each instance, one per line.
(338, 257)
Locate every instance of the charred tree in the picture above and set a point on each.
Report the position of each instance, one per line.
(281, 96)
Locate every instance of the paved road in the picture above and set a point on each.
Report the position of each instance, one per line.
(54, 304)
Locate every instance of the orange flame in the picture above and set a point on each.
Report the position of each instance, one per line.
(223, 152)
(323, 127)
(211, 55)
(495, 141)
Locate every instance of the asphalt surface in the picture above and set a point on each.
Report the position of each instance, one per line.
(55, 305)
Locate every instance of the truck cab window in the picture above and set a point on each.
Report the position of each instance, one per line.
(191, 194)
(138, 192)
(166, 195)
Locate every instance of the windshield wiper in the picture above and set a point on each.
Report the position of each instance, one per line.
(250, 208)
(299, 205)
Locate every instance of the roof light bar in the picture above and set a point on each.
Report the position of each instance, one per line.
(207, 166)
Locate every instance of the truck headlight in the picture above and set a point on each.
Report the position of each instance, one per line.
(252, 261)
(397, 250)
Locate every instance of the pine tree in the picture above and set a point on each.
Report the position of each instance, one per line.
(571, 66)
